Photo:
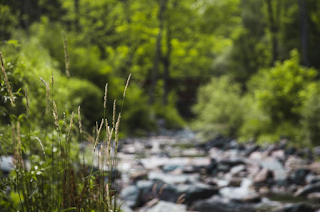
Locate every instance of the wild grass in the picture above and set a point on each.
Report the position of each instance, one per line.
(6, 80)
(50, 174)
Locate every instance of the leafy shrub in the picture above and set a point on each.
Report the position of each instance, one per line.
(219, 108)
(311, 114)
(169, 113)
(34, 62)
(7, 22)
(276, 101)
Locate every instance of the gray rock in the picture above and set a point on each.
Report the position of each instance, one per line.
(169, 167)
(275, 166)
(173, 179)
(239, 193)
(251, 149)
(315, 167)
(144, 191)
(221, 205)
(126, 208)
(195, 192)
(163, 206)
(311, 179)
(137, 195)
(235, 182)
(308, 189)
(263, 176)
(6, 164)
(130, 195)
(317, 150)
(233, 162)
(236, 169)
(298, 176)
(301, 207)
(314, 196)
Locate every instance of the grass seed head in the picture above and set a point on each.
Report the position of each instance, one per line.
(114, 113)
(47, 94)
(79, 118)
(98, 133)
(55, 115)
(125, 88)
(105, 96)
(38, 139)
(70, 126)
(116, 132)
(66, 54)
(6, 80)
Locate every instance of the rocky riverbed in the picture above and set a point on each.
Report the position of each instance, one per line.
(173, 172)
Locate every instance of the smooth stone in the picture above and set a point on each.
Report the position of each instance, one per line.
(163, 206)
(308, 189)
(275, 166)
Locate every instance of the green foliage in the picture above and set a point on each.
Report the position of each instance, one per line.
(7, 22)
(33, 63)
(280, 102)
(277, 90)
(169, 113)
(275, 100)
(311, 114)
(219, 108)
(45, 149)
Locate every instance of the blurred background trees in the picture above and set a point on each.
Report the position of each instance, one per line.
(242, 68)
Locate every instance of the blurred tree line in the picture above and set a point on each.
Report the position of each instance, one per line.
(258, 59)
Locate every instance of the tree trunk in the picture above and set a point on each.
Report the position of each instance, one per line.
(126, 8)
(157, 57)
(167, 59)
(24, 16)
(77, 14)
(166, 63)
(273, 26)
(304, 31)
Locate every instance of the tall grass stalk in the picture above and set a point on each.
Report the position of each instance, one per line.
(6, 80)
(66, 54)
(57, 185)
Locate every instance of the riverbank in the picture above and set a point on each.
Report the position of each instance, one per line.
(177, 172)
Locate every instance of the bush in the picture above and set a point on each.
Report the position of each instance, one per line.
(169, 113)
(311, 114)
(219, 108)
(34, 62)
(276, 101)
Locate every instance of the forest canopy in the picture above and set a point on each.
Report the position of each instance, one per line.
(241, 68)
